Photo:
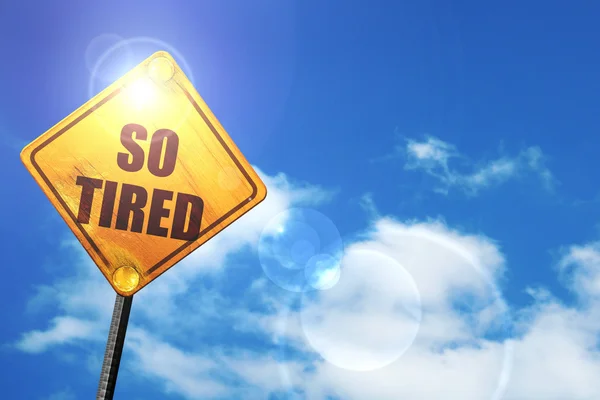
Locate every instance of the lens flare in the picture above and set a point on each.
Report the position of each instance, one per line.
(120, 56)
(300, 249)
(344, 323)
(141, 93)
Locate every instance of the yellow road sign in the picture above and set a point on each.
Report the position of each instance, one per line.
(143, 174)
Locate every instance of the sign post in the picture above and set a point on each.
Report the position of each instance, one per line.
(143, 174)
(114, 348)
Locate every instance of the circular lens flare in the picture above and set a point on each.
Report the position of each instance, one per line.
(369, 318)
(296, 245)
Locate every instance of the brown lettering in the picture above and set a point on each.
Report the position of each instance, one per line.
(158, 212)
(184, 201)
(135, 150)
(156, 147)
(133, 199)
(108, 204)
(88, 186)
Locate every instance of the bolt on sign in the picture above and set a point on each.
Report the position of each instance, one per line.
(143, 174)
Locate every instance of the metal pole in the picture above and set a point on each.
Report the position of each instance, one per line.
(114, 348)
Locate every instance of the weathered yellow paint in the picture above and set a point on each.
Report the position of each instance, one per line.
(156, 95)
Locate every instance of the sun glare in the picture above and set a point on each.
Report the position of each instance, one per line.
(141, 92)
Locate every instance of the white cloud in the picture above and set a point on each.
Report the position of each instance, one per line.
(196, 375)
(434, 157)
(369, 319)
(580, 267)
(554, 354)
(367, 203)
(557, 357)
(179, 372)
(63, 330)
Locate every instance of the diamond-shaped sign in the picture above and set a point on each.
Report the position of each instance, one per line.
(143, 174)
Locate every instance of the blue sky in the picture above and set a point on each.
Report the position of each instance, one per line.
(451, 145)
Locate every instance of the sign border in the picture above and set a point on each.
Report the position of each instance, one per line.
(187, 244)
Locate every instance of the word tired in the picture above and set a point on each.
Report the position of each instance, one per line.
(132, 201)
